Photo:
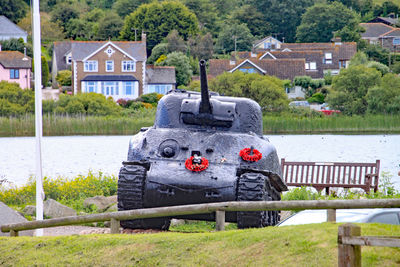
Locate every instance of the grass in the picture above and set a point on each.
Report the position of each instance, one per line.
(304, 245)
(56, 125)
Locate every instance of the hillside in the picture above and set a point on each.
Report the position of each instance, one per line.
(312, 245)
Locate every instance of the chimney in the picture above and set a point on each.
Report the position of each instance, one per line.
(143, 37)
(24, 58)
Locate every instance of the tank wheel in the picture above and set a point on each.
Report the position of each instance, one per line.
(131, 183)
(255, 187)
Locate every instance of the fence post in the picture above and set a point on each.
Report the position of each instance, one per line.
(220, 220)
(331, 214)
(13, 233)
(114, 226)
(348, 255)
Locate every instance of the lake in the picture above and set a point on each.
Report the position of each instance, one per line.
(68, 156)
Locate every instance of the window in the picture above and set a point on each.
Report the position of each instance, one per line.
(267, 45)
(307, 66)
(14, 74)
(389, 218)
(247, 70)
(328, 58)
(90, 66)
(91, 87)
(342, 64)
(128, 66)
(128, 88)
(160, 88)
(313, 66)
(109, 66)
(69, 59)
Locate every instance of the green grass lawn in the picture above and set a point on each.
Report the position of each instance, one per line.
(307, 245)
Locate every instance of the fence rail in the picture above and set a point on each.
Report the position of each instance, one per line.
(220, 208)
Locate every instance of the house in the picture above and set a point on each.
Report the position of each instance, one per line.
(15, 67)
(160, 79)
(336, 54)
(383, 35)
(62, 59)
(391, 21)
(268, 42)
(281, 68)
(9, 30)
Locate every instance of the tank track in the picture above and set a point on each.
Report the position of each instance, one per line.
(256, 187)
(131, 185)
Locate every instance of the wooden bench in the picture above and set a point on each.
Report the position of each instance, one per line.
(322, 175)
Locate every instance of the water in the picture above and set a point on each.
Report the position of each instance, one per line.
(68, 156)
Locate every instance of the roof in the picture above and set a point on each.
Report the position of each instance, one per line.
(80, 49)
(15, 59)
(160, 75)
(374, 29)
(7, 27)
(343, 51)
(281, 68)
(385, 20)
(393, 33)
(59, 51)
(110, 78)
(257, 42)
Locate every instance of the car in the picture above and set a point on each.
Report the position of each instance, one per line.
(303, 104)
(387, 216)
(327, 110)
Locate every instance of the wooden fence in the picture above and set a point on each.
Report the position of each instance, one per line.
(219, 208)
(350, 242)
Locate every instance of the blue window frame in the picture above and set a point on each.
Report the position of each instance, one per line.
(128, 88)
(14, 74)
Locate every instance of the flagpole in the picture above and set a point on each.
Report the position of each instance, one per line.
(38, 112)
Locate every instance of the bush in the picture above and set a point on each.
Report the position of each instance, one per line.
(379, 67)
(317, 98)
(15, 101)
(64, 78)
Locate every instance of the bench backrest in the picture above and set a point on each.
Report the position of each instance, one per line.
(328, 173)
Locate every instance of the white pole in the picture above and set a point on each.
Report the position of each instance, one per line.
(38, 113)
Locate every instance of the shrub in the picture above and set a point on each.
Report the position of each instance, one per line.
(64, 78)
(317, 98)
(14, 100)
(379, 67)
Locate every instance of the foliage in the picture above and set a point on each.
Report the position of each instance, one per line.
(126, 7)
(16, 45)
(385, 98)
(158, 50)
(14, 100)
(321, 20)
(109, 26)
(281, 17)
(360, 58)
(350, 88)
(45, 71)
(383, 69)
(64, 78)
(64, 13)
(205, 11)
(61, 189)
(175, 42)
(328, 78)
(201, 46)
(316, 98)
(49, 31)
(151, 98)
(14, 10)
(300, 193)
(158, 19)
(231, 33)
(395, 67)
(253, 19)
(309, 85)
(377, 53)
(268, 91)
(182, 67)
(87, 103)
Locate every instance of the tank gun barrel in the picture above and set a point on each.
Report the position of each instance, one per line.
(205, 105)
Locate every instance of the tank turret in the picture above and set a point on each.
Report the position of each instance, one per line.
(202, 148)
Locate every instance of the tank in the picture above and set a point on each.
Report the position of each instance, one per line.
(202, 148)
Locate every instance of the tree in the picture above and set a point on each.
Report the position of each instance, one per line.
(16, 45)
(49, 30)
(158, 50)
(253, 19)
(350, 88)
(268, 91)
(383, 69)
(377, 53)
(182, 67)
(281, 17)
(126, 7)
(234, 33)
(64, 13)
(201, 47)
(320, 22)
(109, 26)
(14, 10)
(45, 71)
(175, 42)
(157, 20)
(359, 58)
(205, 12)
(79, 29)
(385, 98)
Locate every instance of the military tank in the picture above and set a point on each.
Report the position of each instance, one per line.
(202, 148)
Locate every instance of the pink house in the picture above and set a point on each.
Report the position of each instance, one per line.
(15, 67)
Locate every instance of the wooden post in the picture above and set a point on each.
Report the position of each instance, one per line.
(114, 226)
(220, 220)
(331, 214)
(13, 233)
(348, 255)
